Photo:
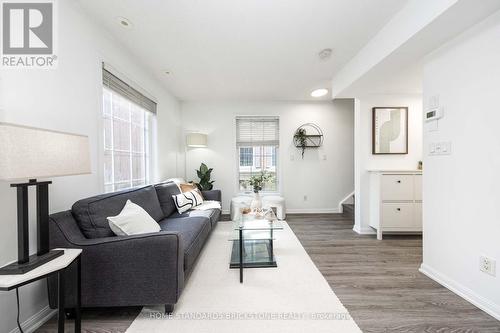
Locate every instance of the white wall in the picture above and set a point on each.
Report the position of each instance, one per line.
(69, 99)
(325, 182)
(461, 191)
(365, 160)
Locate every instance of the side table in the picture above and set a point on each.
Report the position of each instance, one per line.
(56, 266)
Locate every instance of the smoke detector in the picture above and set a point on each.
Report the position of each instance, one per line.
(325, 54)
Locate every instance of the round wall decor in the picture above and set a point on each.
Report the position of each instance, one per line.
(308, 135)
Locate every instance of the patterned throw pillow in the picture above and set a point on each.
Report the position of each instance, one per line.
(187, 200)
(186, 187)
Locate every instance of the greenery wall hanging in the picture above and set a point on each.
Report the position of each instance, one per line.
(308, 136)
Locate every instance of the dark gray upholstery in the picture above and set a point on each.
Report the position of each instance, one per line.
(215, 195)
(92, 213)
(165, 192)
(121, 271)
(193, 232)
(147, 269)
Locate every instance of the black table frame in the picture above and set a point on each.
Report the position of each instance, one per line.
(60, 290)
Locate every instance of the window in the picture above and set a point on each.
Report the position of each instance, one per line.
(246, 156)
(257, 142)
(127, 141)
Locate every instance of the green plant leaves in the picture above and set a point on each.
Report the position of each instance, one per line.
(204, 173)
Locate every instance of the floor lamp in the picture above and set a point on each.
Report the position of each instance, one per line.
(28, 153)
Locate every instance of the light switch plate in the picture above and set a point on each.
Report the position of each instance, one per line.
(445, 148)
(432, 149)
(440, 148)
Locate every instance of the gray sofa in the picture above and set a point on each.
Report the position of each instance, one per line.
(147, 269)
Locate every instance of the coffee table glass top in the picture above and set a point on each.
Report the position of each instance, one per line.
(255, 229)
(252, 223)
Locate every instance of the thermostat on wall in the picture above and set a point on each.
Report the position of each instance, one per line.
(434, 114)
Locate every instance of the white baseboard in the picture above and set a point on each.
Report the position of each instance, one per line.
(312, 211)
(35, 321)
(364, 230)
(484, 304)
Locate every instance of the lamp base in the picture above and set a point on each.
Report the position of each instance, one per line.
(34, 261)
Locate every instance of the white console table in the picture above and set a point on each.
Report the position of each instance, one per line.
(396, 201)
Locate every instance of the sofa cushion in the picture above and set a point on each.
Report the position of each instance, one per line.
(212, 214)
(193, 233)
(132, 220)
(165, 191)
(91, 214)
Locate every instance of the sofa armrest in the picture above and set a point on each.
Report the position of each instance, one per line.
(142, 269)
(215, 195)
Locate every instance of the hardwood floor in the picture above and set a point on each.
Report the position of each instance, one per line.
(377, 281)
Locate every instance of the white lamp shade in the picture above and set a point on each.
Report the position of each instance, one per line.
(27, 153)
(196, 140)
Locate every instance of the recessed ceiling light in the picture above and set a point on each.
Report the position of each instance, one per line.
(124, 22)
(319, 92)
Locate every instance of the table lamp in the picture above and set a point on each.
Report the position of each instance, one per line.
(28, 153)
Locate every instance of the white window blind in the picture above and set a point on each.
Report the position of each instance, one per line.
(257, 143)
(119, 86)
(257, 131)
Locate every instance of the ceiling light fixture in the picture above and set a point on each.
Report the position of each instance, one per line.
(124, 22)
(319, 92)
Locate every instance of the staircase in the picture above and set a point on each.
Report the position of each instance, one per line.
(348, 210)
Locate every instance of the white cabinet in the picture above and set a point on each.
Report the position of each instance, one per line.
(397, 187)
(396, 202)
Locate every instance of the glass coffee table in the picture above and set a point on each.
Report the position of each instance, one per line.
(253, 243)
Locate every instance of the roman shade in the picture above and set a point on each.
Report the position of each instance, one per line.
(257, 131)
(111, 81)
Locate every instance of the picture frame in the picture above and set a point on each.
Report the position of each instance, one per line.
(390, 130)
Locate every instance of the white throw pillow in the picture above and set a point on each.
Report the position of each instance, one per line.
(132, 220)
(187, 200)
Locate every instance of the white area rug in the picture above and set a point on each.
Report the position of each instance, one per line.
(294, 297)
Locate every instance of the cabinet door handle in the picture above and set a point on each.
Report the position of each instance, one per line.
(398, 181)
(398, 209)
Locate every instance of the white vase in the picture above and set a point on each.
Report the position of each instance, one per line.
(256, 202)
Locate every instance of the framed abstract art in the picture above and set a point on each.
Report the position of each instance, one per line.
(390, 130)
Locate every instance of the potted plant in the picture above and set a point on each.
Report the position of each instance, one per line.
(204, 173)
(258, 182)
(300, 139)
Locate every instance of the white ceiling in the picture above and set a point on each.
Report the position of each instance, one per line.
(243, 49)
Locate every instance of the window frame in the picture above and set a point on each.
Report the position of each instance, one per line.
(149, 158)
(277, 165)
